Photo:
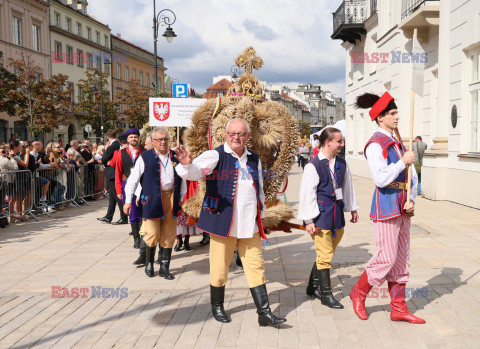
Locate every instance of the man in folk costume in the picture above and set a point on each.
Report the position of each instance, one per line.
(231, 214)
(161, 188)
(326, 191)
(124, 163)
(390, 212)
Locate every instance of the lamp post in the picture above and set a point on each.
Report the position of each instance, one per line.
(236, 71)
(164, 17)
(102, 62)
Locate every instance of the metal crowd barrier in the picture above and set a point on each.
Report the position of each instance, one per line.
(16, 190)
(92, 182)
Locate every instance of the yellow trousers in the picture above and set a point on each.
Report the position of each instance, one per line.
(163, 231)
(325, 246)
(250, 251)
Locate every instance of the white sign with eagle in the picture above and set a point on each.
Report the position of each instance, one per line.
(172, 112)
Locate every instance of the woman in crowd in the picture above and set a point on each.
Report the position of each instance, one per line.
(8, 164)
(20, 186)
(304, 153)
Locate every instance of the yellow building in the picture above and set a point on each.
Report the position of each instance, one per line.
(131, 62)
(77, 43)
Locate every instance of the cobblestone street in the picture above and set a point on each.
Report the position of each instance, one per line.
(73, 250)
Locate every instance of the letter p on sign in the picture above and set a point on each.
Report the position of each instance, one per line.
(180, 90)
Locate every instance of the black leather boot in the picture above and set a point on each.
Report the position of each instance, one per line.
(217, 297)
(179, 244)
(142, 253)
(205, 240)
(313, 283)
(136, 235)
(150, 256)
(187, 243)
(265, 316)
(326, 295)
(165, 255)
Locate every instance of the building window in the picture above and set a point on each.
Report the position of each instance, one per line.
(17, 31)
(90, 61)
(134, 73)
(141, 78)
(58, 51)
(119, 103)
(89, 33)
(80, 94)
(97, 36)
(56, 18)
(107, 69)
(147, 81)
(119, 71)
(106, 40)
(127, 74)
(69, 24)
(79, 29)
(475, 101)
(70, 54)
(71, 86)
(79, 58)
(36, 37)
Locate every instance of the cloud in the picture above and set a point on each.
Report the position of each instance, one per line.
(260, 31)
(294, 42)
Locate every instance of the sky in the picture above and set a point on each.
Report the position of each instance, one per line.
(292, 37)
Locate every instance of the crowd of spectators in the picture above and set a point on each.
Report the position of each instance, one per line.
(56, 173)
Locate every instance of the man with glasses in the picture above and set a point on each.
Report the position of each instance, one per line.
(231, 213)
(159, 199)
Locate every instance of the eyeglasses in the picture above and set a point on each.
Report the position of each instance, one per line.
(159, 140)
(239, 134)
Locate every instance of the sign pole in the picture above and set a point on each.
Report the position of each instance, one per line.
(410, 141)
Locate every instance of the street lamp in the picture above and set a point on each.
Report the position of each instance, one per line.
(236, 71)
(102, 62)
(164, 17)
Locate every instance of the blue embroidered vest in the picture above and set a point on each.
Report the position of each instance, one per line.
(388, 203)
(151, 206)
(331, 210)
(216, 215)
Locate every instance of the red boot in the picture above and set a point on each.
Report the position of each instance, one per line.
(358, 295)
(399, 306)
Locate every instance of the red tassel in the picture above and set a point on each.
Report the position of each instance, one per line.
(385, 153)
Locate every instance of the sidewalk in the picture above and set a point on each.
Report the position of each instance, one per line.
(73, 250)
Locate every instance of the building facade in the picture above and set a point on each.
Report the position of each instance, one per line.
(23, 30)
(377, 37)
(78, 42)
(133, 63)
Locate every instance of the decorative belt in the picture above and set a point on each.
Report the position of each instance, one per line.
(397, 185)
(124, 178)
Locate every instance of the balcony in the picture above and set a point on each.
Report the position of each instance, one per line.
(420, 14)
(348, 20)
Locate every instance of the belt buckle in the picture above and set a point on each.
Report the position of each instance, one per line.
(395, 185)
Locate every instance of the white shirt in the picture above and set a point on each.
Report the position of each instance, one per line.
(166, 176)
(307, 206)
(382, 173)
(244, 222)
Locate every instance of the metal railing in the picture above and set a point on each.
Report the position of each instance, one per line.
(24, 193)
(350, 12)
(410, 6)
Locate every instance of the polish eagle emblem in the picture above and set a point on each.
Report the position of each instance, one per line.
(161, 110)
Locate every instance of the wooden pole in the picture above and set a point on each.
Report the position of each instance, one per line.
(410, 141)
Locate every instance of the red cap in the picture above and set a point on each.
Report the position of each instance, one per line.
(380, 105)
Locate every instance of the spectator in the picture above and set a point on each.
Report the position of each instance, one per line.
(20, 186)
(304, 154)
(42, 184)
(148, 142)
(12, 138)
(8, 188)
(89, 183)
(60, 143)
(74, 144)
(419, 148)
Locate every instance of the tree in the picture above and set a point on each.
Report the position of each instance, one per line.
(135, 99)
(44, 104)
(8, 82)
(304, 129)
(90, 103)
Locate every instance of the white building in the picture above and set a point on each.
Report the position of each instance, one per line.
(378, 41)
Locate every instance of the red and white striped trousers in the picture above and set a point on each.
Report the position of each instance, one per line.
(391, 261)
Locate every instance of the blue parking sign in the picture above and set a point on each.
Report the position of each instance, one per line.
(180, 90)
